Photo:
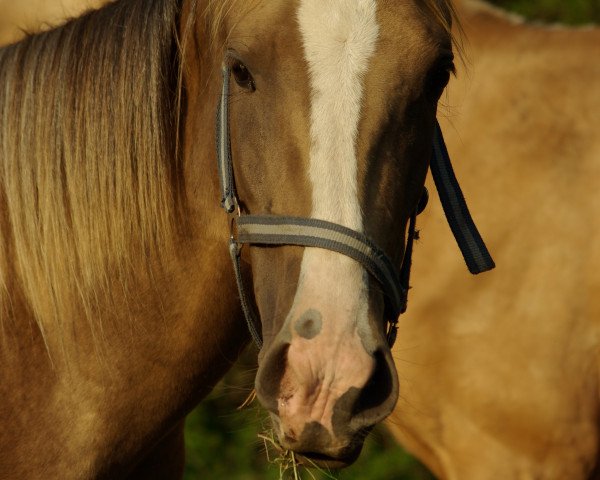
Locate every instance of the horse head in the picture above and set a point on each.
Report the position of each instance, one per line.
(331, 113)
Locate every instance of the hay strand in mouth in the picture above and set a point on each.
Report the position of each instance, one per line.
(290, 466)
(283, 458)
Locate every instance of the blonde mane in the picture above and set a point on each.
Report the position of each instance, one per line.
(88, 167)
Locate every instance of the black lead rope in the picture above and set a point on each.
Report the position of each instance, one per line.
(461, 223)
(310, 232)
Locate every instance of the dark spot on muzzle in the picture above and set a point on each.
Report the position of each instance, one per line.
(315, 434)
(309, 325)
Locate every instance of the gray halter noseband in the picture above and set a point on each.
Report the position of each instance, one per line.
(311, 232)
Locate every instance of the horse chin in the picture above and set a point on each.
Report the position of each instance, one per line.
(343, 459)
(313, 454)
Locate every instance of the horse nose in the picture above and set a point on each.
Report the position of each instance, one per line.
(377, 399)
(324, 410)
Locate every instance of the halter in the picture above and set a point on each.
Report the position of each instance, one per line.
(310, 232)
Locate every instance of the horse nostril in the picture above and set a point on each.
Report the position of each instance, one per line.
(270, 374)
(378, 389)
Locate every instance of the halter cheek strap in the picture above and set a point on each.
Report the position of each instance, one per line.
(310, 232)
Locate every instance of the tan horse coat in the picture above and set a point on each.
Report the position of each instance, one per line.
(499, 375)
(18, 17)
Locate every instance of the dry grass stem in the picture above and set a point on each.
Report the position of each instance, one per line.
(251, 397)
(287, 461)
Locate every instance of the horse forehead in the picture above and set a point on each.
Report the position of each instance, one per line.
(323, 54)
(274, 23)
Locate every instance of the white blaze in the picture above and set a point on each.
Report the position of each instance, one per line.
(339, 38)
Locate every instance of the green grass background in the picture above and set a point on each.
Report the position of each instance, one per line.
(572, 12)
(222, 442)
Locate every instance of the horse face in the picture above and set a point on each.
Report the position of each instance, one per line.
(332, 113)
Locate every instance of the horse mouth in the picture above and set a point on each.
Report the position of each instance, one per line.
(346, 458)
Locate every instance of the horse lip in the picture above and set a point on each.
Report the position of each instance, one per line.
(343, 459)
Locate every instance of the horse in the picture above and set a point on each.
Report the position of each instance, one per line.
(121, 275)
(500, 377)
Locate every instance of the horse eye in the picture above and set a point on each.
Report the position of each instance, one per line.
(439, 78)
(242, 76)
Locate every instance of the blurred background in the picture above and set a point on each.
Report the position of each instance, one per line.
(223, 442)
(572, 12)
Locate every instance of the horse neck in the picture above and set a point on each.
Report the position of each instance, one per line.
(535, 82)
